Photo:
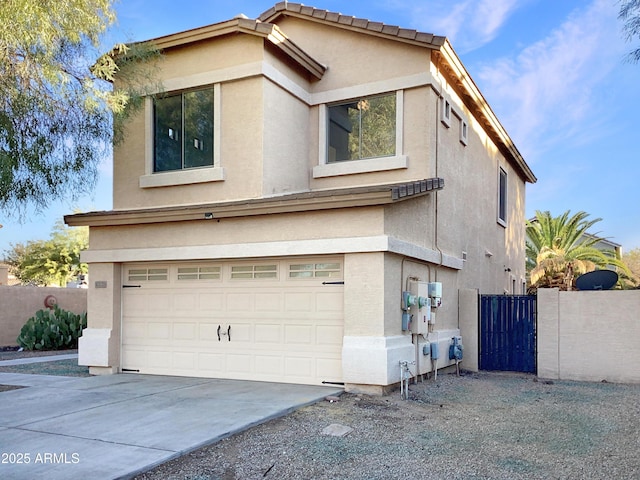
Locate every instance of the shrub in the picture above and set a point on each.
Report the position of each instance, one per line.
(52, 330)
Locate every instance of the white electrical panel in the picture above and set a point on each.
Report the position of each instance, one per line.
(421, 311)
(435, 293)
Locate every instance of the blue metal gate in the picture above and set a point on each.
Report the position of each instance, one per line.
(508, 333)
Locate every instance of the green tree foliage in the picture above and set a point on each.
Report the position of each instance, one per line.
(630, 15)
(56, 100)
(374, 121)
(55, 261)
(558, 251)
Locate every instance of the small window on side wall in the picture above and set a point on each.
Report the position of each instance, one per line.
(502, 197)
(464, 132)
(446, 113)
(362, 128)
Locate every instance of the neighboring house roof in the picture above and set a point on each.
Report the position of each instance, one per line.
(290, 203)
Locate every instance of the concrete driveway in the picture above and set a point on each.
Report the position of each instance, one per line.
(119, 425)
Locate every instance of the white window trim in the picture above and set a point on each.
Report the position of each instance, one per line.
(464, 132)
(188, 176)
(503, 221)
(447, 109)
(365, 165)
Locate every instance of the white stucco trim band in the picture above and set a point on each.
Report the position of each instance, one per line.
(375, 360)
(380, 243)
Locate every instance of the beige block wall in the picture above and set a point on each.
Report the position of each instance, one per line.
(589, 335)
(21, 303)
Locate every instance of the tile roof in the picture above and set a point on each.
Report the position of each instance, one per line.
(378, 28)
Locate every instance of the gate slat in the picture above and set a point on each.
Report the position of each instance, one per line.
(507, 333)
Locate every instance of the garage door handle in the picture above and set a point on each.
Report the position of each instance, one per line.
(227, 333)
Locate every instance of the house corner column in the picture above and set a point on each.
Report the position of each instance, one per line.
(99, 345)
(370, 354)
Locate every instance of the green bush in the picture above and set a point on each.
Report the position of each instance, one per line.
(54, 329)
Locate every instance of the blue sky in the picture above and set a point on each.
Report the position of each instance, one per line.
(553, 71)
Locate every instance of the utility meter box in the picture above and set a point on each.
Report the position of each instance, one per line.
(421, 311)
(435, 293)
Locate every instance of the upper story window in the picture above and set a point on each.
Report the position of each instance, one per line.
(362, 128)
(502, 197)
(183, 131)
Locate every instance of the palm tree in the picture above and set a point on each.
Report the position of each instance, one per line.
(558, 250)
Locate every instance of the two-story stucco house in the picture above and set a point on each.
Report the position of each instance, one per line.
(298, 173)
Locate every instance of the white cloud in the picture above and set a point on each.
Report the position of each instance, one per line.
(469, 24)
(549, 92)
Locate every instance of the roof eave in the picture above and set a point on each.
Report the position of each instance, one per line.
(483, 111)
(291, 203)
(268, 31)
(347, 22)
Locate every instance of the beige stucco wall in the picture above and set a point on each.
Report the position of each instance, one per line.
(21, 303)
(590, 335)
(349, 55)
(270, 144)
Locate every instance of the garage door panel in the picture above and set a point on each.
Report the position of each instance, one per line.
(239, 302)
(158, 359)
(208, 332)
(134, 330)
(329, 302)
(299, 334)
(211, 362)
(185, 331)
(157, 330)
(269, 365)
(132, 357)
(268, 333)
(329, 335)
(184, 302)
(299, 367)
(240, 363)
(183, 360)
(282, 329)
(211, 301)
(156, 303)
(268, 302)
(327, 368)
(299, 302)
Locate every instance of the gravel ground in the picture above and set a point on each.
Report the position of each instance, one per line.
(476, 426)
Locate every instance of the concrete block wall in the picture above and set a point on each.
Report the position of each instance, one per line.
(589, 335)
(18, 304)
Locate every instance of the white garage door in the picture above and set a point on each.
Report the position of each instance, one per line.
(270, 320)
